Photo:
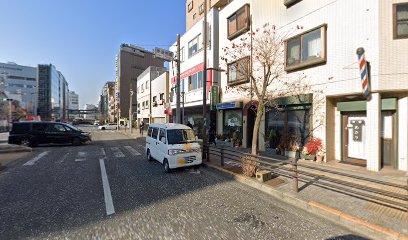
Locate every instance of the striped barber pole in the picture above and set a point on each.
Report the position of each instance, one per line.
(362, 63)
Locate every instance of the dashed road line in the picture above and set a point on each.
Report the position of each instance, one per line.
(81, 157)
(132, 151)
(117, 153)
(110, 209)
(103, 152)
(63, 158)
(34, 160)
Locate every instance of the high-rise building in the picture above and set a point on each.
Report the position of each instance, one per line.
(73, 99)
(52, 93)
(131, 61)
(19, 83)
(107, 91)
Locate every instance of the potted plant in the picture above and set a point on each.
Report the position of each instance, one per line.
(312, 147)
(320, 155)
(293, 150)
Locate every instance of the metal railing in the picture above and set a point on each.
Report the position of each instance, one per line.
(331, 179)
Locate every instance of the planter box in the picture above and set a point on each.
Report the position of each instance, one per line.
(292, 154)
(272, 151)
(308, 157)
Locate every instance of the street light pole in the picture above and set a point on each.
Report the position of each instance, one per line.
(205, 123)
(130, 111)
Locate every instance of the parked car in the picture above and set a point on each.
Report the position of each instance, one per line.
(34, 133)
(97, 123)
(110, 126)
(173, 145)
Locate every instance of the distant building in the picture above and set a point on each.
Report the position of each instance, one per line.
(20, 84)
(107, 92)
(91, 115)
(131, 61)
(52, 93)
(73, 100)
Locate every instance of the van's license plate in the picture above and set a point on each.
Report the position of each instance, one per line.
(181, 161)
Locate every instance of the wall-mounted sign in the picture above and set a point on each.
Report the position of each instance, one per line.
(163, 54)
(229, 105)
(357, 128)
(214, 97)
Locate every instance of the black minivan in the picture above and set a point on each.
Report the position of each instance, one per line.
(34, 133)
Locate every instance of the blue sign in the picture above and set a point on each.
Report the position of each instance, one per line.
(228, 105)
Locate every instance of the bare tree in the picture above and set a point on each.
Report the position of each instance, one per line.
(255, 64)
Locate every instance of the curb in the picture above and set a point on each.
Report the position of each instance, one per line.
(16, 149)
(338, 217)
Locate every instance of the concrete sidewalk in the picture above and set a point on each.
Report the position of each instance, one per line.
(135, 133)
(355, 212)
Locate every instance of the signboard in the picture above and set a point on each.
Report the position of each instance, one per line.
(214, 97)
(357, 126)
(189, 72)
(163, 54)
(228, 105)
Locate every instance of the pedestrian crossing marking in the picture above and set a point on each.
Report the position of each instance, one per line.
(117, 153)
(35, 159)
(132, 150)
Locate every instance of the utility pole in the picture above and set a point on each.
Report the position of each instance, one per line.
(10, 114)
(205, 123)
(130, 109)
(182, 115)
(178, 81)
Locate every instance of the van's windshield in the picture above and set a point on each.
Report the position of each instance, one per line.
(178, 136)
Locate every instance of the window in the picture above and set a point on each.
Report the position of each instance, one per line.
(238, 71)
(155, 133)
(195, 45)
(155, 101)
(238, 23)
(190, 6)
(147, 85)
(195, 81)
(289, 3)
(138, 89)
(149, 131)
(306, 49)
(194, 16)
(400, 20)
(182, 54)
(179, 136)
(201, 8)
(162, 134)
(161, 96)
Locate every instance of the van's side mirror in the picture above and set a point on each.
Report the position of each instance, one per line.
(163, 139)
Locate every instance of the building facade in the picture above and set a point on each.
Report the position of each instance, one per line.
(20, 84)
(73, 99)
(151, 95)
(107, 91)
(131, 61)
(93, 111)
(321, 45)
(192, 69)
(52, 93)
(195, 10)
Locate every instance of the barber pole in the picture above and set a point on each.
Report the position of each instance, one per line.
(362, 63)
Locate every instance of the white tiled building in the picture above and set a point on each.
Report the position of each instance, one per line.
(371, 132)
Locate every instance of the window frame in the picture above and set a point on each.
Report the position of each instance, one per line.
(394, 21)
(309, 63)
(234, 83)
(201, 9)
(199, 46)
(246, 28)
(190, 6)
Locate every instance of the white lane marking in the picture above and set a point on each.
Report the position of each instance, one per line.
(142, 146)
(117, 153)
(81, 154)
(103, 152)
(80, 159)
(38, 157)
(63, 158)
(106, 189)
(132, 150)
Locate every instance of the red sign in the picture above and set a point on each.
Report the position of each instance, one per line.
(192, 71)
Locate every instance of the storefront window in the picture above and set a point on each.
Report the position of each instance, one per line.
(275, 127)
(232, 122)
(298, 126)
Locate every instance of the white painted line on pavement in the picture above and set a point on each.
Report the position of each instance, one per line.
(142, 146)
(106, 189)
(103, 152)
(81, 154)
(38, 157)
(117, 153)
(80, 159)
(63, 158)
(132, 150)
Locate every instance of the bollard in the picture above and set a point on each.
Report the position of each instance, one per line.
(295, 176)
(222, 157)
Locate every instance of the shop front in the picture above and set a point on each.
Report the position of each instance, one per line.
(232, 119)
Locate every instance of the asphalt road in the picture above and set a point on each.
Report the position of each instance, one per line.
(62, 192)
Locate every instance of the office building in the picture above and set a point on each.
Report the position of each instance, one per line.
(73, 101)
(131, 61)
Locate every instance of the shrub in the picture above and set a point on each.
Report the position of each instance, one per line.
(249, 165)
(314, 145)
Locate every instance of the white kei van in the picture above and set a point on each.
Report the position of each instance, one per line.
(173, 145)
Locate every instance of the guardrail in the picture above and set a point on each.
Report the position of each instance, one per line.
(290, 169)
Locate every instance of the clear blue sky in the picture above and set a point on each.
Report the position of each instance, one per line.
(81, 37)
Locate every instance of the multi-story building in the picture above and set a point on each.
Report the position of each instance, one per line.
(321, 43)
(91, 115)
(195, 10)
(20, 84)
(131, 61)
(73, 101)
(151, 95)
(192, 65)
(52, 93)
(107, 91)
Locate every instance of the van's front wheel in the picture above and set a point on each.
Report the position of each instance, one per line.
(166, 166)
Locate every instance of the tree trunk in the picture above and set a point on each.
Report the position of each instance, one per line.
(255, 134)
